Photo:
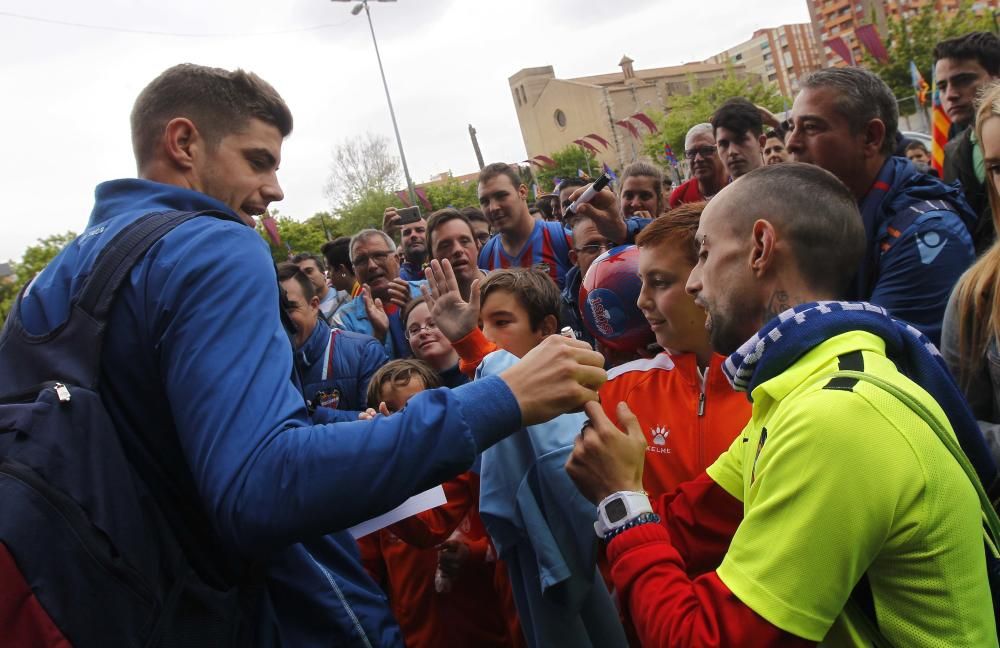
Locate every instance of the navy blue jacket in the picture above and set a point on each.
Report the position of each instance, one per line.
(196, 354)
(919, 244)
(335, 367)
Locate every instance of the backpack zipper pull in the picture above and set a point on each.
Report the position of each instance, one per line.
(62, 392)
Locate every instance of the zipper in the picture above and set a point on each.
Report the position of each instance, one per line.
(62, 392)
(79, 525)
(32, 393)
(343, 600)
(701, 404)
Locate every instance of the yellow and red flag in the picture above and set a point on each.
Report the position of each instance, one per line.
(940, 127)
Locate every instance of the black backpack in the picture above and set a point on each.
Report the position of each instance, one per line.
(83, 523)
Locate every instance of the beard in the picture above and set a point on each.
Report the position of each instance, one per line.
(727, 331)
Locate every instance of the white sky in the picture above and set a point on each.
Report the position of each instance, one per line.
(69, 90)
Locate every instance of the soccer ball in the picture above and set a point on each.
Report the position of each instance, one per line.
(607, 301)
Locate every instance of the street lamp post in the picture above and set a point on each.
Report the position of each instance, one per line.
(363, 4)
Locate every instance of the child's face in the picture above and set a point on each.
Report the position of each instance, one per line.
(395, 395)
(506, 324)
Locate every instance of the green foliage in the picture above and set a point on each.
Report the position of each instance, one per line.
(365, 211)
(684, 111)
(453, 193)
(35, 258)
(568, 163)
(914, 38)
(301, 236)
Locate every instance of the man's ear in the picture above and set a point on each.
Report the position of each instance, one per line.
(181, 141)
(314, 302)
(550, 325)
(574, 258)
(874, 136)
(522, 191)
(763, 238)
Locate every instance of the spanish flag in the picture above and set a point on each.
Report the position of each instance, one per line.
(940, 126)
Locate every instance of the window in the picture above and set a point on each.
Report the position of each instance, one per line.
(560, 118)
(738, 57)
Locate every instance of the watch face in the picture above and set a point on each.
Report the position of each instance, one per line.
(615, 510)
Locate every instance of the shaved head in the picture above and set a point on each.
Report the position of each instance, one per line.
(811, 209)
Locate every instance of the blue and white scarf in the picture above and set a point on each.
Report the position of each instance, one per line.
(793, 333)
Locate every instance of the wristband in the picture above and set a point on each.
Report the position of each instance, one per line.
(644, 518)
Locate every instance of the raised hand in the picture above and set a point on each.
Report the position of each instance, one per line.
(454, 316)
(452, 554)
(557, 376)
(605, 211)
(399, 292)
(605, 459)
(390, 221)
(376, 314)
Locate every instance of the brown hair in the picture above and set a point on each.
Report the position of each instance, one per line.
(676, 227)
(491, 171)
(643, 169)
(413, 303)
(532, 288)
(977, 295)
(400, 373)
(439, 218)
(219, 102)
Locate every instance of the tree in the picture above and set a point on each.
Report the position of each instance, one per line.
(913, 39)
(569, 162)
(365, 211)
(362, 166)
(35, 258)
(296, 236)
(684, 111)
(452, 193)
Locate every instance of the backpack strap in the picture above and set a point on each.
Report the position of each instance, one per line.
(991, 522)
(116, 260)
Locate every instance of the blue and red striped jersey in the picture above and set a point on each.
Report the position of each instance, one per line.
(547, 248)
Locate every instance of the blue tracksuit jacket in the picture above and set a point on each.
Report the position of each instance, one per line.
(196, 353)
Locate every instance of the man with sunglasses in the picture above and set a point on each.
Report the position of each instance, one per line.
(708, 174)
(376, 311)
(962, 67)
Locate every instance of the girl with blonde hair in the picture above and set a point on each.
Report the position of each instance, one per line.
(970, 339)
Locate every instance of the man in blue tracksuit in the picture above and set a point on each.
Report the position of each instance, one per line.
(844, 120)
(198, 364)
(334, 366)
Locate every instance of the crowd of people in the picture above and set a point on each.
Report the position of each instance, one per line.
(735, 382)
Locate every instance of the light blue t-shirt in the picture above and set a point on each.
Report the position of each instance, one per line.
(543, 528)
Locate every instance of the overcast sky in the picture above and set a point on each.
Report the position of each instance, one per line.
(69, 89)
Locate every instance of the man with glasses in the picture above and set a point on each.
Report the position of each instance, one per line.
(376, 311)
(334, 366)
(962, 67)
(708, 174)
(588, 244)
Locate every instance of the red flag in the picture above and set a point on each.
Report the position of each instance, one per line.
(545, 160)
(597, 138)
(422, 197)
(405, 197)
(271, 229)
(841, 49)
(646, 121)
(587, 145)
(624, 123)
(869, 37)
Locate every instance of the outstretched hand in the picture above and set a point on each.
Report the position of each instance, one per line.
(605, 459)
(606, 213)
(557, 376)
(454, 316)
(376, 314)
(390, 221)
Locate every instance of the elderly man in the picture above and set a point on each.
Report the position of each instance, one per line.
(376, 311)
(708, 174)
